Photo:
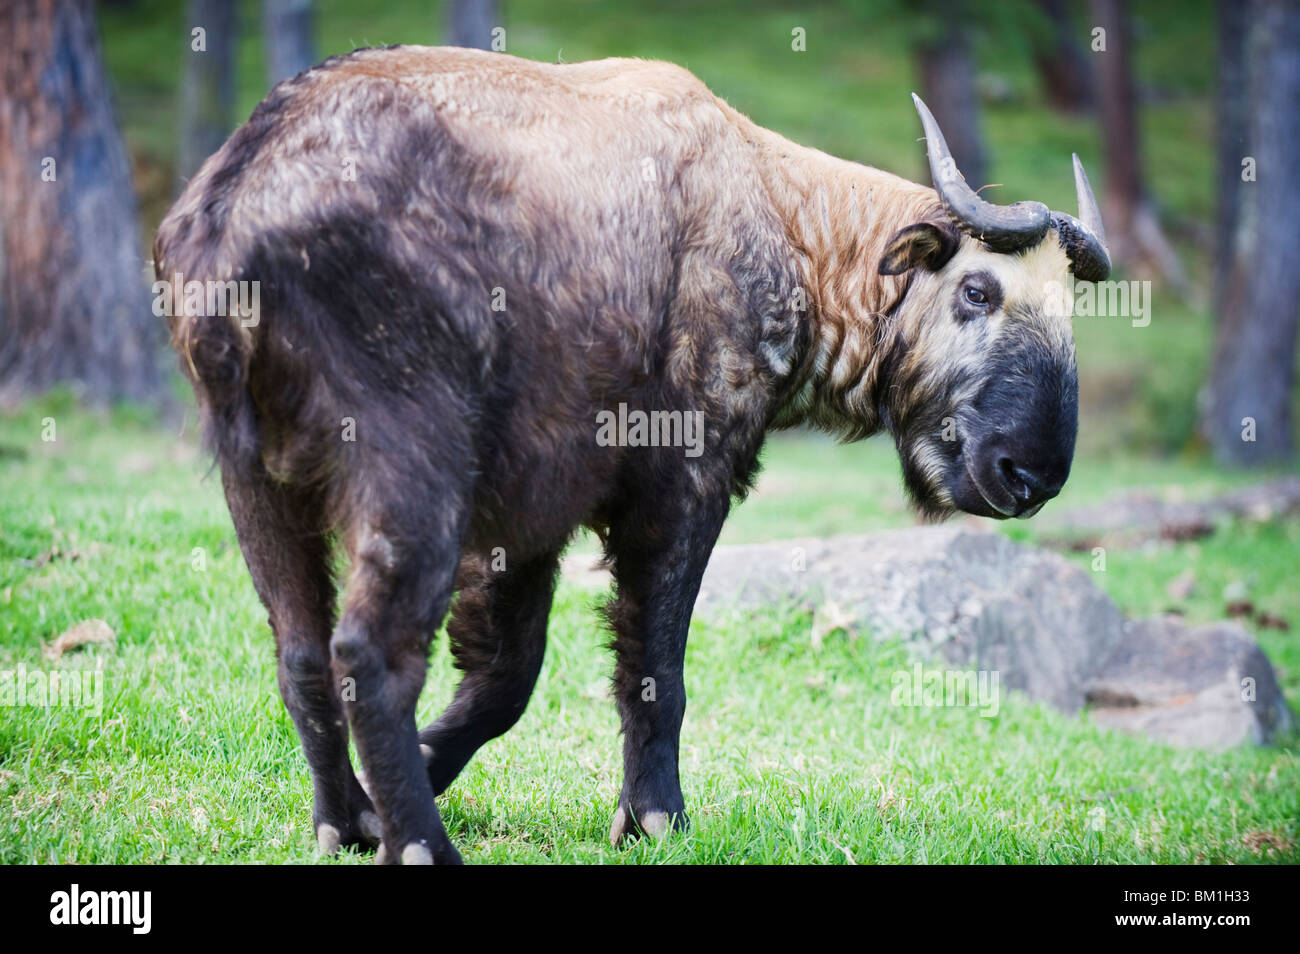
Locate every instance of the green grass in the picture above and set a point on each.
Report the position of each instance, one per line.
(789, 754)
(811, 486)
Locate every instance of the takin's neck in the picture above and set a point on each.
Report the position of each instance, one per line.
(838, 218)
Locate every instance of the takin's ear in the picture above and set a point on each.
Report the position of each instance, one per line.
(926, 245)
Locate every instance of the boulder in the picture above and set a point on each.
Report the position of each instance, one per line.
(974, 600)
(971, 599)
(1208, 686)
(1135, 516)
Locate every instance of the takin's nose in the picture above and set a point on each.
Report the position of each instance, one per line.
(1030, 485)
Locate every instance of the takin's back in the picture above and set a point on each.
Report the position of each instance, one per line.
(469, 235)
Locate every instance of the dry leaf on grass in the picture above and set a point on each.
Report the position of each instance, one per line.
(828, 618)
(87, 631)
(1264, 842)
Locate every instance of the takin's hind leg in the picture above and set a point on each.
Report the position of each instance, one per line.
(498, 638)
(403, 569)
(282, 535)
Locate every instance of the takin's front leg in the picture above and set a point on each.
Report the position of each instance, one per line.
(659, 553)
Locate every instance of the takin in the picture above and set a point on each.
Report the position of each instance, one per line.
(469, 266)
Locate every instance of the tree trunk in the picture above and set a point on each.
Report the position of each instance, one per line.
(287, 27)
(207, 82)
(1231, 135)
(1132, 228)
(470, 23)
(1061, 62)
(1121, 145)
(947, 71)
(74, 297)
(1248, 408)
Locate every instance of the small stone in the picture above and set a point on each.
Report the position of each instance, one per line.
(1182, 586)
(1235, 591)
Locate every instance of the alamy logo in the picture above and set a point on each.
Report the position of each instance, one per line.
(102, 907)
(69, 688)
(1106, 299)
(947, 687)
(208, 299)
(651, 429)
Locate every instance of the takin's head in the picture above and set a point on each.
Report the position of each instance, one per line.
(982, 394)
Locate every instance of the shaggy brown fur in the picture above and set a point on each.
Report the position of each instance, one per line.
(464, 258)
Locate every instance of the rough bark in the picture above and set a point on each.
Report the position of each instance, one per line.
(1231, 132)
(1253, 372)
(1132, 227)
(288, 27)
(207, 82)
(947, 71)
(74, 298)
(1061, 62)
(470, 23)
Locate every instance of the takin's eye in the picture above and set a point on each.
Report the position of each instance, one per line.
(978, 295)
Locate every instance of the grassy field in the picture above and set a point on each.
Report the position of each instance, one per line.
(789, 754)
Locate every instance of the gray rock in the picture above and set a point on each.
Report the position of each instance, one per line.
(975, 600)
(1208, 686)
(1138, 514)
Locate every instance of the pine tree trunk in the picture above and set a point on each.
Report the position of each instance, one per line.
(1248, 409)
(470, 23)
(1062, 65)
(947, 70)
(74, 296)
(1121, 146)
(287, 26)
(207, 82)
(1231, 134)
(1132, 227)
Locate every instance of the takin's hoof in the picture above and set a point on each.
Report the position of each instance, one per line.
(371, 828)
(655, 824)
(413, 854)
(328, 839)
(365, 833)
(418, 853)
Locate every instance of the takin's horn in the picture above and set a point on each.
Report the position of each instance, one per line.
(1084, 238)
(1007, 228)
(1003, 228)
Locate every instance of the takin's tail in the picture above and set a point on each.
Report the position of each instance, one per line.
(215, 353)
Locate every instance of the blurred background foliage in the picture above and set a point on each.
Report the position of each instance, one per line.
(846, 94)
(105, 521)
